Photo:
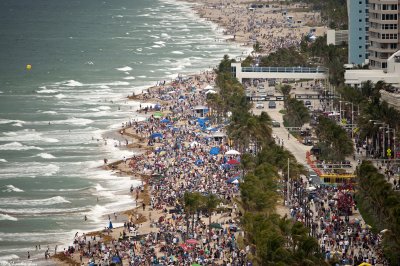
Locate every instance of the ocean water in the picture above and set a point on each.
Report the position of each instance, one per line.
(86, 57)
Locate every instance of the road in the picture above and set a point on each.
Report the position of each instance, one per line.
(292, 144)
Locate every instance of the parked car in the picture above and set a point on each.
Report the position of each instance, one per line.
(307, 103)
(276, 123)
(260, 106)
(307, 141)
(271, 105)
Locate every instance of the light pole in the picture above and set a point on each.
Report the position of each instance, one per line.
(377, 122)
(352, 118)
(394, 140)
(385, 126)
(288, 181)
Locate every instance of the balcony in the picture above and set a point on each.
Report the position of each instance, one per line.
(379, 40)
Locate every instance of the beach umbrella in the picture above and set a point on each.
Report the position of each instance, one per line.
(311, 188)
(232, 152)
(156, 135)
(233, 161)
(216, 225)
(364, 264)
(193, 143)
(231, 180)
(110, 225)
(208, 87)
(235, 181)
(196, 264)
(214, 151)
(211, 92)
(198, 162)
(164, 121)
(191, 241)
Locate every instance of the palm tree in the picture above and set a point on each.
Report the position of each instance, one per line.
(210, 202)
(191, 205)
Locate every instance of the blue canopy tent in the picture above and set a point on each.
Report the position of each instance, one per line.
(214, 151)
(164, 121)
(156, 135)
(202, 121)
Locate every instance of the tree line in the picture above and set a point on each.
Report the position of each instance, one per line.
(274, 240)
(380, 206)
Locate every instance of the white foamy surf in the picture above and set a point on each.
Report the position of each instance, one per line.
(45, 155)
(124, 69)
(11, 188)
(16, 146)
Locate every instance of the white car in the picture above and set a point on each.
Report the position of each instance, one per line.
(260, 106)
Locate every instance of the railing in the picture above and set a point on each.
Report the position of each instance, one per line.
(285, 69)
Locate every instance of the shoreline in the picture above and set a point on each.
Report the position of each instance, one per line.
(137, 139)
(143, 218)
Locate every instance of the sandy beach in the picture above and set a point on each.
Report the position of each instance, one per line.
(178, 159)
(273, 26)
(185, 165)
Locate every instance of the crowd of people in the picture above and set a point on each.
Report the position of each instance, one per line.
(330, 213)
(271, 27)
(182, 155)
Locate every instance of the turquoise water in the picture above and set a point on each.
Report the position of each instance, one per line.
(86, 57)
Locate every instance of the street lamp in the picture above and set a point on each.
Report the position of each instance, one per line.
(394, 139)
(352, 118)
(385, 126)
(377, 122)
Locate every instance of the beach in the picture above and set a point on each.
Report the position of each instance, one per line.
(181, 156)
(54, 115)
(176, 158)
(179, 150)
(272, 26)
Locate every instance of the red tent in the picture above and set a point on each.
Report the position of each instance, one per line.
(233, 161)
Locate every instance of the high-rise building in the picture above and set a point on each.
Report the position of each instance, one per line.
(358, 31)
(383, 31)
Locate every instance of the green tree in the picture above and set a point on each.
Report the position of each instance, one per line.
(210, 204)
(296, 113)
(334, 141)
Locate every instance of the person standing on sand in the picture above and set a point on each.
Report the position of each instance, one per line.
(29, 255)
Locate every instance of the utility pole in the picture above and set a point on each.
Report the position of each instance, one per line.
(288, 181)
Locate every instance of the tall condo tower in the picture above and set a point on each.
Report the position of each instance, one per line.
(358, 31)
(383, 31)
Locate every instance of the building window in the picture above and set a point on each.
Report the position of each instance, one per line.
(389, 16)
